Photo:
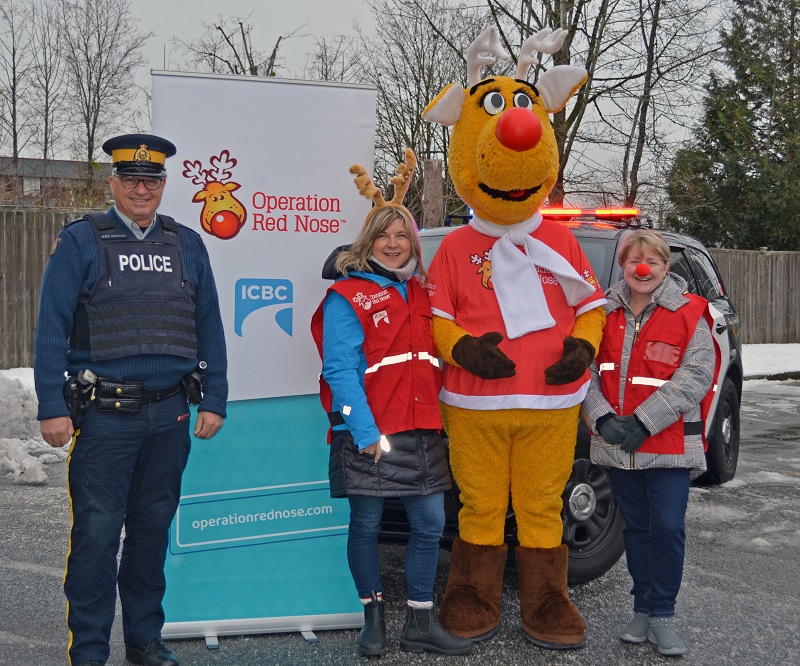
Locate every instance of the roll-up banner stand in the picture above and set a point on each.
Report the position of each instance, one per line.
(261, 173)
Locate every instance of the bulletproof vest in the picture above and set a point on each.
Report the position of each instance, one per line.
(142, 303)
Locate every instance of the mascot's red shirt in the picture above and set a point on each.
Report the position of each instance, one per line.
(461, 290)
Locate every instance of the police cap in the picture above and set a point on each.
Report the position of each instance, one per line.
(139, 154)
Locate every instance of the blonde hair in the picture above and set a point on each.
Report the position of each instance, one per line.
(641, 240)
(378, 221)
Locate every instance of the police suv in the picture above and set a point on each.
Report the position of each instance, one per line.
(592, 521)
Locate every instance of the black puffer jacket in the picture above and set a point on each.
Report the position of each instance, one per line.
(415, 464)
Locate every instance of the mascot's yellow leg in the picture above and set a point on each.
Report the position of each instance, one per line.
(544, 447)
(480, 459)
(541, 465)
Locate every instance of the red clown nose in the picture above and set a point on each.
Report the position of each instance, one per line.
(642, 270)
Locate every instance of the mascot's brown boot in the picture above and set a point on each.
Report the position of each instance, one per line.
(549, 620)
(471, 604)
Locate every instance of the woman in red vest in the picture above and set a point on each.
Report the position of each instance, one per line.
(380, 384)
(648, 394)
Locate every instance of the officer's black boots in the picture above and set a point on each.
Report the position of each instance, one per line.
(152, 653)
(422, 632)
(372, 639)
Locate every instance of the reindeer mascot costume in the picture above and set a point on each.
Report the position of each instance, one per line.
(518, 318)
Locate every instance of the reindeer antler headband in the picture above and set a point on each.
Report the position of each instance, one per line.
(401, 182)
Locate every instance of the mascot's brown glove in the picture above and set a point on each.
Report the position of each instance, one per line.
(482, 357)
(578, 355)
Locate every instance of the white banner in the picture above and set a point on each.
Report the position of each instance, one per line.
(262, 174)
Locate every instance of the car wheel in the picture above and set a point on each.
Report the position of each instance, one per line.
(592, 521)
(723, 440)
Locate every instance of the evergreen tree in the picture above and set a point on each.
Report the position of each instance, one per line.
(736, 185)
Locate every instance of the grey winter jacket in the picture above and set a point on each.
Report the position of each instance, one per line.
(681, 395)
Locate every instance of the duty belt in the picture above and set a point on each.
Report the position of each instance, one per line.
(114, 395)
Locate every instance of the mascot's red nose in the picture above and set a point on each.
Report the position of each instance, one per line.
(519, 129)
(642, 270)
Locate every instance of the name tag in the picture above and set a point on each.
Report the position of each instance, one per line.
(145, 262)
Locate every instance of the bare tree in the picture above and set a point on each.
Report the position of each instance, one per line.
(410, 64)
(335, 59)
(103, 51)
(47, 77)
(226, 47)
(15, 58)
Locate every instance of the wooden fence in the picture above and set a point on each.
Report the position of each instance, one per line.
(765, 289)
(26, 236)
(764, 286)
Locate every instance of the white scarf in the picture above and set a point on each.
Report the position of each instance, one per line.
(517, 285)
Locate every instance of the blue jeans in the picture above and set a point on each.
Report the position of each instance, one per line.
(426, 517)
(653, 503)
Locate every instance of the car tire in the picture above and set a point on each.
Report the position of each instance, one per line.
(723, 440)
(592, 521)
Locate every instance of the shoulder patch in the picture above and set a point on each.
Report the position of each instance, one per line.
(55, 245)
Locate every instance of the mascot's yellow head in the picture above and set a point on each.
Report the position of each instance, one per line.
(503, 152)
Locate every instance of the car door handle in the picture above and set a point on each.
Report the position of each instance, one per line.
(721, 328)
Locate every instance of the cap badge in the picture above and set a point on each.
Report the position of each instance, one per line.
(142, 155)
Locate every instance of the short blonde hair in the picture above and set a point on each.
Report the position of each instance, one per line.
(641, 240)
(357, 257)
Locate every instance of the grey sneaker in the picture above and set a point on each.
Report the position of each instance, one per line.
(662, 633)
(636, 630)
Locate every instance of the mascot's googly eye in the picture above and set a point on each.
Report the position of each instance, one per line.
(493, 103)
(523, 101)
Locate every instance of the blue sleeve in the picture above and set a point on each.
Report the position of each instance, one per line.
(61, 288)
(343, 368)
(211, 346)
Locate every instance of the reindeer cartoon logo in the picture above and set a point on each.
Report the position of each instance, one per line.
(223, 215)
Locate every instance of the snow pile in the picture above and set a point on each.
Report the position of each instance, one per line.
(23, 452)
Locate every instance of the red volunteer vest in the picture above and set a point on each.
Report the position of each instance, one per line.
(656, 355)
(402, 380)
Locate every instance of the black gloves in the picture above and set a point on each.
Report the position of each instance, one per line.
(482, 357)
(627, 431)
(635, 434)
(612, 428)
(578, 355)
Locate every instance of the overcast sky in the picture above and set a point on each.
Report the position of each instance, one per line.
(184, 19)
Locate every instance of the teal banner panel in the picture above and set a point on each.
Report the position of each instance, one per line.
(257, 531)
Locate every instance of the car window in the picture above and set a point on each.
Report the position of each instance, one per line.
(600, 253)
(707, 276)
(429, 245)
(679, 264)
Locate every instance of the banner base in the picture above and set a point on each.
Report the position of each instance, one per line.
(212, 629)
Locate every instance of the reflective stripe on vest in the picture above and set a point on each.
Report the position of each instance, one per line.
(648, 381)
(402, 358)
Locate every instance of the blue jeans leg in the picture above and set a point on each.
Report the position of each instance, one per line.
(426, 517)
(362, 543)
(653, 503)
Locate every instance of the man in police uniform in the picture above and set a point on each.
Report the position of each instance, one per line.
(129, 310)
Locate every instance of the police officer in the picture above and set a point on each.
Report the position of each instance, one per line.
(129, 310)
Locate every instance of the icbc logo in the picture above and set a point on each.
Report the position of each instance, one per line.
(256, 293)
(223, 215)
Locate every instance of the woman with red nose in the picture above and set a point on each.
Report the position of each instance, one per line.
(648, 399)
